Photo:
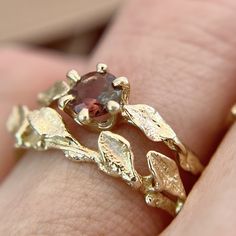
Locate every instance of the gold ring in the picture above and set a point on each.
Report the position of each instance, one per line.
(99, 100)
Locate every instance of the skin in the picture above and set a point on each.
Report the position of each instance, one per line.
(179, 57)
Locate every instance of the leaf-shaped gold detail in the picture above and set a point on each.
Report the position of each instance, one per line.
(117, 158)
(17, 117)
(18, 124)
(166, 174)
(58, 90)
(149, 121)
(156, 129)
(47, 122)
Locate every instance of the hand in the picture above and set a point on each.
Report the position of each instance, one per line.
(180, 58)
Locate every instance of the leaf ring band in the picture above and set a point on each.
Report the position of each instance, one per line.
(98, 101)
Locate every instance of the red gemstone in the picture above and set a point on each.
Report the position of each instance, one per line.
(93, 91)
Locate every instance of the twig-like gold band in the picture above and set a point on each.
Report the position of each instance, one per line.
(44, 128)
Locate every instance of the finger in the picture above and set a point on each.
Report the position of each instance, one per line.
(48, 195)
(211, 210)
(181, 105)
(24, 72)
(179, 57)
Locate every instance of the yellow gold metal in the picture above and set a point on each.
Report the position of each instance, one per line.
(62, 101)
(83, 116)
(231, 117)
(58, 90)
(73, 76)
(161, 201)
(121, 82)
(44, 129)
(113, 107)
(101, 67)
(124, 84)
(117, 158)
(233, 110)
(179, 206)
(166, 174)
(157, 130)
(18, 124)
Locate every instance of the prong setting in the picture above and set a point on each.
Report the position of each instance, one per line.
(73, 76)
(101, 68)
(121, 82)
(83, 117)
(97, 99)
(113, 107)
(64, 100)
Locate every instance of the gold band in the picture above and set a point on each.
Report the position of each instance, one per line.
(44, 129)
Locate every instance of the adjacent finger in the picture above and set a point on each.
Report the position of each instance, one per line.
(210, 209)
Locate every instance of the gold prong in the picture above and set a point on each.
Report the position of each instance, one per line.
(83, 116)
(73, 76)
(121, 82)
(113, 107)
(64, 100)
(101, 68)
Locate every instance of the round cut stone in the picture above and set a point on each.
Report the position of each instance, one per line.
(93, 91)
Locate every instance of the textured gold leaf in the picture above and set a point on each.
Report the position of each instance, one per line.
(17, 118)
(18, 124)
(117, 157)
(166, 174)
(49, 126)
(58, 90)
(149, 121)
(156, 129)
(47, 122)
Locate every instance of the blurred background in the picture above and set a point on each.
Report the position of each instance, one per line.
(73, 26)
